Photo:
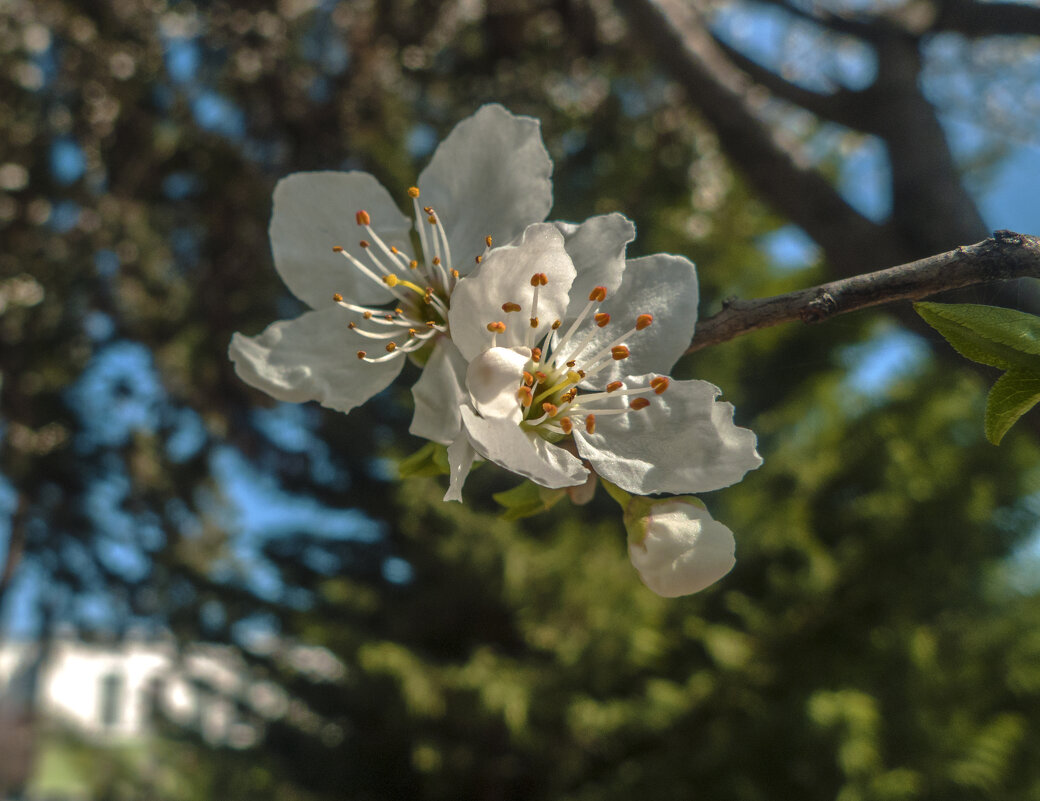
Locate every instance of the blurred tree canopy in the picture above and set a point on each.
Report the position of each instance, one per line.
(879, 636)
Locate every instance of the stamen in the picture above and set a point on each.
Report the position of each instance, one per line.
(551, 409)
(363, 218)
(596, 296)
(538, 280)
(525, 396)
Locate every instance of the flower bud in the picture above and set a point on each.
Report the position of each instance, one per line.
(676, 546)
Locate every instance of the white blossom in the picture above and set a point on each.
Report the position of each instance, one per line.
(555, 377)
(676, 546)
(373, 301)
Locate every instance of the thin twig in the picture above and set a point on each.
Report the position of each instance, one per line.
(1003, 256)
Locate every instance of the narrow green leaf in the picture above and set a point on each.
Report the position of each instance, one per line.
(430, 460)
(1003, 338)
(526, 500)
(1014, 394)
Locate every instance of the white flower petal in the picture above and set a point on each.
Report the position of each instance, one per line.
(684, 442)
(505, 277)
(493, 379)
(438, 394)
(597, 248)
(460, 459)
(683, 549)
(490, 176)
(506, 444)
(314, 211)
(311, 358)
(664, 286)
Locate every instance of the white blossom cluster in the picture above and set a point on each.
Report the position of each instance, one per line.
(543, 349)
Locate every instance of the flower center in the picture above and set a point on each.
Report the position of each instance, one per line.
(421, 286)
(550, 393)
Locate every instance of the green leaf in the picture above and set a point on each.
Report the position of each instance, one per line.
(430, 460)
(527, 500)
(1014, 394)
(1003, 338)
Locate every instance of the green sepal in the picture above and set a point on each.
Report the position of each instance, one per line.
(1003, 338)
(526, 500)
(1014, 394)
(430, 460)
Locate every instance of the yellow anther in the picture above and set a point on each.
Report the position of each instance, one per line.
(534, 322)
(550, 409)
(598, 294)
(643, 321)
(569, 395)
(478, 259)
(413, 191)
(436, 260)
(363, 243)
(432, 220)
(590, 424)
(540, 376)
(487, 240)
(536, 355)
(338, 298)
(539, 279)
(556, 324)
(614, 386)
(571, 363)
(363, 218)
(391, 347)
(352, 325)
(337, 249)
(601, 319)
(639, 403)
(528, 379)
(566, 425)
(525, 395)
(619, 352)
(412, 332)
(394, 250)
(509, 306)
(367, 315)
(497, 327)
(660, 384)
(430, 324)
(413, 264)
(454, 273)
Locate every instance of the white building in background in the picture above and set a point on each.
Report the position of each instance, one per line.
(109, 692)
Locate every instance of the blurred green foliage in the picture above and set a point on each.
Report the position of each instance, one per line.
(868, 644)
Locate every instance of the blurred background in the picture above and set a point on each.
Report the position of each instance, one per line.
(205, 594)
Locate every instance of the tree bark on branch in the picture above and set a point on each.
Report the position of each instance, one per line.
(1004, 256)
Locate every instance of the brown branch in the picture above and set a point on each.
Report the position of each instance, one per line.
(1003, 256)
(974, 19)
(727, 98)
(15, 546)
(851, 108)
